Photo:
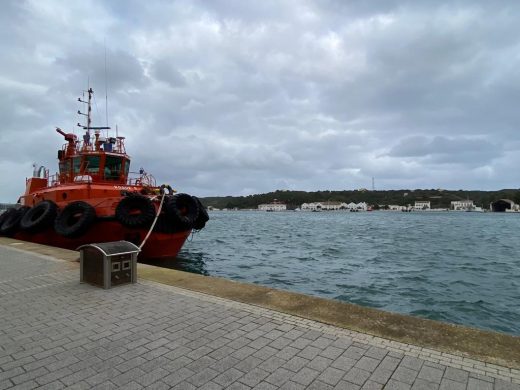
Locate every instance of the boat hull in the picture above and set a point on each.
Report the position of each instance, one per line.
(158, 246)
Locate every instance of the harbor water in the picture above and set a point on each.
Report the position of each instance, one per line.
(456, 267)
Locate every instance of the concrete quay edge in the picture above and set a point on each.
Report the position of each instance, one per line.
(454, 345)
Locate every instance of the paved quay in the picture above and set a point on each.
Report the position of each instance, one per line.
(57, 333)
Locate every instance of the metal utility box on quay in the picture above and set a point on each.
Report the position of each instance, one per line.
(108, 264)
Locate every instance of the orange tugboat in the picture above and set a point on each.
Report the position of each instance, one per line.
(93, 198)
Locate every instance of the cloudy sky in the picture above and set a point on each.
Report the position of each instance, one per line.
(236, 97)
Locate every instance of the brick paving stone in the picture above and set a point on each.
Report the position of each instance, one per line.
(309, 352)
(265, 386)
(254, 377)
(376, 353)
(29, 376)
(177, 376)
(184, 386)
(296, 364)
(344, 363)
(280, 343)
(272, 364)
(412, 362)
(354, 352)
(265, 352)
(381, 375)
(152, 376)
(456, 374)
(300, 343)
(280, 376)
(389, 363)
(431, 374)
(321, 342)
(228, 377)
(248, 364)
(331, 376)
(331, 352)
(503, 385)
(158, 386)
(357, 376)
(200, 364)
(396, 385)
(238, 386)
(53, 376)
(344, 385)
(477, 384)
(290, 385)
(366, 363)
(448, 384)
(56, 385)
(371, 385)
(25, 386)
(403, 374)
(319, 363)
(318, 385)
(287, 353)
(421, 384)
(305, 376)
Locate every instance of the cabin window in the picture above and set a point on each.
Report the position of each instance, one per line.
(127, 167)
(92, 164)
(64, 167)
(113, 167)
(76, 163)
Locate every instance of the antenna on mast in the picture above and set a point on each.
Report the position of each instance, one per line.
(106, 87)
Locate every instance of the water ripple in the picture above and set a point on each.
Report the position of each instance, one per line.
(456, 267)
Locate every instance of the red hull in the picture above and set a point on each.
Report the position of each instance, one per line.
(158, 245)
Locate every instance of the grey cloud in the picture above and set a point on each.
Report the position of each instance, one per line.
(444, 150)
(225, 97)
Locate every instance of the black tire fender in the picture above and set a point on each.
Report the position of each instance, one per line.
(135, 211)
(75, 219)
(11, 221)
(40, 216)
(183, 210)
(203, 216)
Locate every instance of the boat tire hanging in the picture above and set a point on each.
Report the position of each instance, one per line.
(75, 219)
(183, 210)
(203, 216)
(39, 217)
(135, 211)
(11, 220)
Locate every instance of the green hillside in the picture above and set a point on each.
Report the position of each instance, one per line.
(438, 198)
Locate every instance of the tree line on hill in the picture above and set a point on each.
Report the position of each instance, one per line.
(438, 198)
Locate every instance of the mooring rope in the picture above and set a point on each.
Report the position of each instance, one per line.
(154, 221)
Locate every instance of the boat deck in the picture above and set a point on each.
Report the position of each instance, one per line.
(57, 333)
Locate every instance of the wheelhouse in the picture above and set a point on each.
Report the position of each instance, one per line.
(95, 167)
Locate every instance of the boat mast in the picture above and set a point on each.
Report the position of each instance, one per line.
(89, 126)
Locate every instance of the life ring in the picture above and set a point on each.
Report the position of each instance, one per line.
(166, 187)
(203, 216)
(11, 220)
(183, 210)
(40, 216)
(75, 219)
(135, 211)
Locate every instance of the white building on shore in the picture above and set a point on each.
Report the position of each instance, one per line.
(462, 205)
(422, 205)
(331, 206)
(274, 206)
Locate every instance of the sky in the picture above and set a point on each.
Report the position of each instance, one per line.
(239, 97)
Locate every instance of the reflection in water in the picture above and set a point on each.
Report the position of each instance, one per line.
(189, 262)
